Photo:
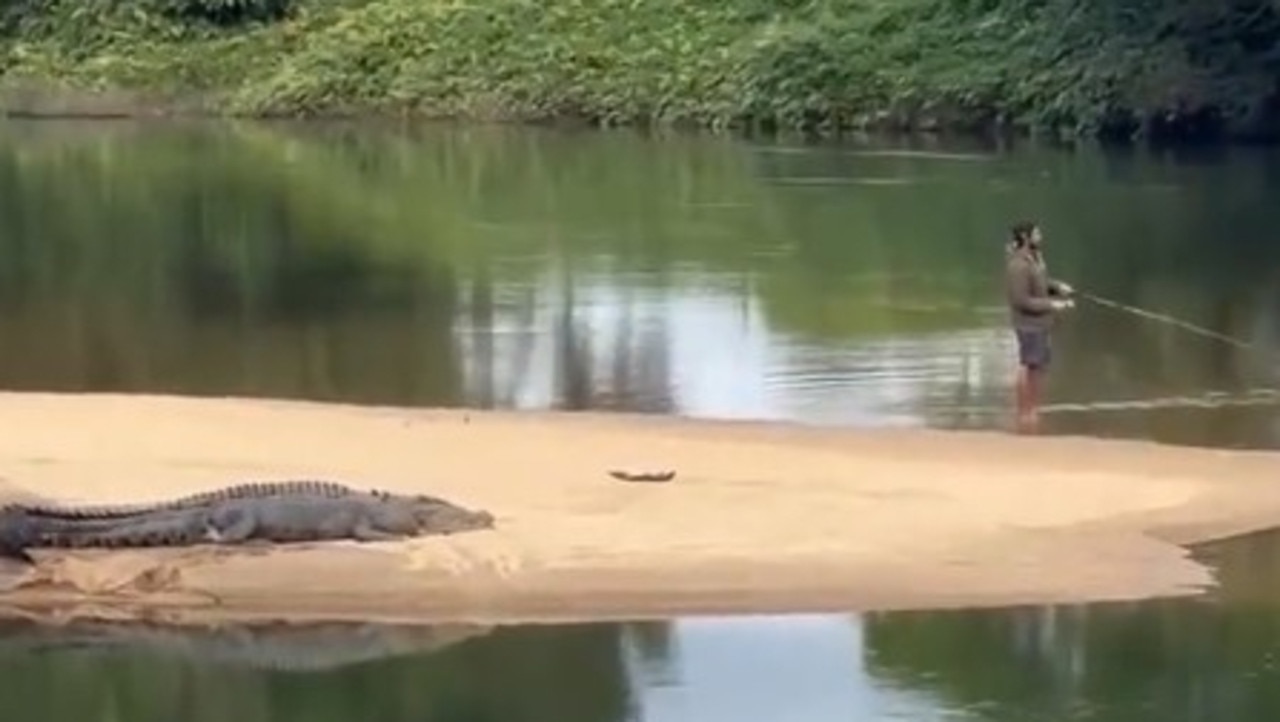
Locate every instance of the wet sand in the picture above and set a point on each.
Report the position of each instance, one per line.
(761, 517)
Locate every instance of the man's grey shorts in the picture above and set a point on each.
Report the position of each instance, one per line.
(1033, 349)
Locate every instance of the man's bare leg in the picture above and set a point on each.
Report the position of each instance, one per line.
(1027, 393)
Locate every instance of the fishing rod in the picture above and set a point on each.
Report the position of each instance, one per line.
(1162, 318)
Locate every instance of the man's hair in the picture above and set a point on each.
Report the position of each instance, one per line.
(1020, 233)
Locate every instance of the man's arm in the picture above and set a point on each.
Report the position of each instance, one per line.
(1018, 279)
(1060, 288)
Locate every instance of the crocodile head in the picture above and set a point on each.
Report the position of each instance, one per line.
(435, 516)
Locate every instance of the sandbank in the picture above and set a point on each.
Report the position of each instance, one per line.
(761, 518)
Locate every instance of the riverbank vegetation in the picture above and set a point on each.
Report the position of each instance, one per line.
(1176, 68)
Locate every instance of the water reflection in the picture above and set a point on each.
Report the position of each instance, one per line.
(109, 671)
(774, 668)
(1154, 661)
(521, 268)
(1215, 658)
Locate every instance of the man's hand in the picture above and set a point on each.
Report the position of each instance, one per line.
(1065, 289)
(1062, 304)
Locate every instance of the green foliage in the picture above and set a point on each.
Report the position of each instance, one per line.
(604, 60)
(1078, 66)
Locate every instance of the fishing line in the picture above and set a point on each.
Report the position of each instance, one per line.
(1162, 318)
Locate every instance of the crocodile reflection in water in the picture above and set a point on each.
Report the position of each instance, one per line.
(276, 646)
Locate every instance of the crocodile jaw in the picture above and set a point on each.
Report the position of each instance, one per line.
(449, 519)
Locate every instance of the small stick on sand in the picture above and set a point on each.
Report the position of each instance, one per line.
(622, 475)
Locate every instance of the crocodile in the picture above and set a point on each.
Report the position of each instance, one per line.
(294, 517)
(245, 490)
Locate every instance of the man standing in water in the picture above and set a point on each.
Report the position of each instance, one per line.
(1034, 299)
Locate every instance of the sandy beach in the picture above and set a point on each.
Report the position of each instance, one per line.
(761, 517)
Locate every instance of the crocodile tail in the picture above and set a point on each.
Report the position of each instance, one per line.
(86, 513)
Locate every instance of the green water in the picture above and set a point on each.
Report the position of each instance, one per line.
(852, 284)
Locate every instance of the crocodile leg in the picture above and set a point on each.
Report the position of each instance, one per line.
(367, 532)
(235, 530)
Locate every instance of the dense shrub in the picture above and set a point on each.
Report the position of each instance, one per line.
(1178, 67)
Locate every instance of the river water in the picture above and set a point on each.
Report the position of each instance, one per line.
(523, 268)
(851, 284)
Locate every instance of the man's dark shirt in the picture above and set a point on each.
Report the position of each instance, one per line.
(1028, 290)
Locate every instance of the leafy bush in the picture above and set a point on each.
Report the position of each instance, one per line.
(1077, 66)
